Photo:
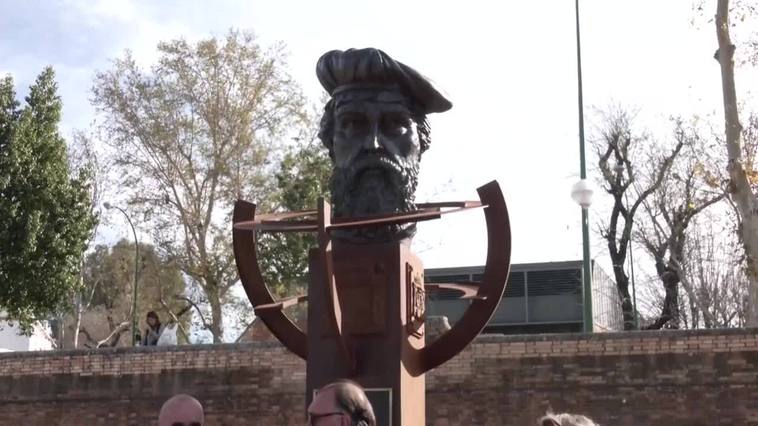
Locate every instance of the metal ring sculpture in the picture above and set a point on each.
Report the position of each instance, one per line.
(485, 297)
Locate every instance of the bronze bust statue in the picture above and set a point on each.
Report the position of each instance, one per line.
(376, 130)
(366, 292)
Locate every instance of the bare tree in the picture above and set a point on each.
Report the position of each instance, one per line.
(650, 297)
(687, 189)
(629, 172)
(716, 274)
(739, 168)
(714, 270)
(192, 135)
(82, 155)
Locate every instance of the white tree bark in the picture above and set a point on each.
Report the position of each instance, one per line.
(741, 192)
(77, 324)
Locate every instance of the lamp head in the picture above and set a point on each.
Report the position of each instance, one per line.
(582, 193)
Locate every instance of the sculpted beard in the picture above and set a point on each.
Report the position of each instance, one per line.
(375, 184)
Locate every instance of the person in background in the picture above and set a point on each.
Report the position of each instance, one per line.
(181, 410)
(153, 331)
(565, 419)
(342, 403)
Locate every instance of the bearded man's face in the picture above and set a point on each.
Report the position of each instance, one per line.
(376, 152)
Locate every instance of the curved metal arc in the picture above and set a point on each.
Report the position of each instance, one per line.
(466, 329)
(468, 291)
(489, 294)
(246, 258)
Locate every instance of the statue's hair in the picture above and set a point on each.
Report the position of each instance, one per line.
(326, 128)
(565, 419)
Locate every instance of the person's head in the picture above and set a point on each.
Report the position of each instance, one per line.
(565, 419)
(152, 319)
(181, 410)
(375, 128)
(342, 403)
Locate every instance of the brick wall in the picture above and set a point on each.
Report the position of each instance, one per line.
(640, 378)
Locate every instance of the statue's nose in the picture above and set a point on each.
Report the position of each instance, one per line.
(372, 140)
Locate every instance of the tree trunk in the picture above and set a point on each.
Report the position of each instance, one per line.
(78, 305)
(670, 312)
(627, 310)
(62, 332)
(622, 285)
(695, 316)
(670, 279)
(77, 327)
(78, 302)
(217, 328)
(676, 318)
(741, 192)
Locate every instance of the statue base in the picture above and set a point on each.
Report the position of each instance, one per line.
(381, 290)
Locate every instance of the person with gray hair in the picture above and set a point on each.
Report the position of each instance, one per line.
(565, 419)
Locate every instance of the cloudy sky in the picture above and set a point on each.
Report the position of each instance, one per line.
(509, 68)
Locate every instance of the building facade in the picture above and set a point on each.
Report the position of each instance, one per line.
(539, 298)
(13, 340)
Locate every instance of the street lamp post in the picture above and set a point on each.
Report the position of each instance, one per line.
(582, 191)
(136, 271)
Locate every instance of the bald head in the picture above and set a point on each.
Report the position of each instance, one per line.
(565, 419)
(181, 410)
(341, 399)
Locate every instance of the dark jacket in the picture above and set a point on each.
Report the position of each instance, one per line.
(151, 336)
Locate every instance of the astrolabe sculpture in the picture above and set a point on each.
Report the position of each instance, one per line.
(366, 294)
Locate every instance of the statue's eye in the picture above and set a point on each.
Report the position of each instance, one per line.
(353, 122)
(396, 124)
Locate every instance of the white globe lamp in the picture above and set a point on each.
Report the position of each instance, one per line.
(582, 193)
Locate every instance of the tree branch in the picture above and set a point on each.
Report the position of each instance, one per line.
(175, 317)
(206, 326)
(244, 332)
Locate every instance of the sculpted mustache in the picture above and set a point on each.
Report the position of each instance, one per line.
(382, 161)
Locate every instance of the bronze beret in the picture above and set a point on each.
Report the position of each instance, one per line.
(339, 70)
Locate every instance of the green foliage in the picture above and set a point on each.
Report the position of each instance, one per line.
(110, 270)
(108, 277)
(302, 178)
(192, 134)
(45, 219)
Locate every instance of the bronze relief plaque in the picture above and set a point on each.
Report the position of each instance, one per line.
(415, 301)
